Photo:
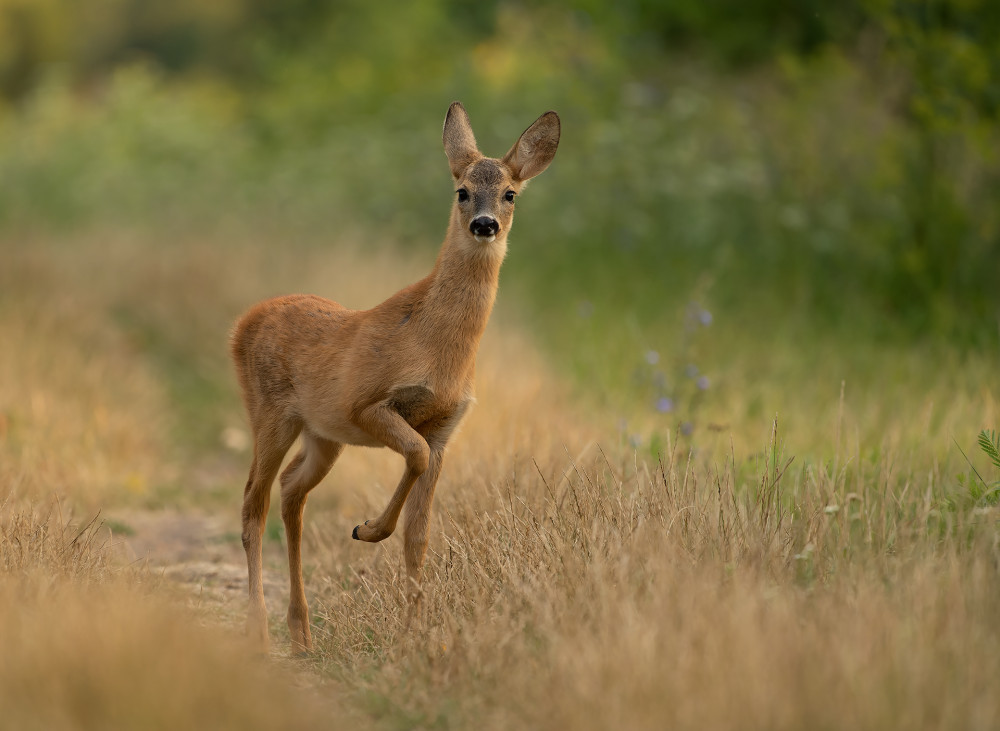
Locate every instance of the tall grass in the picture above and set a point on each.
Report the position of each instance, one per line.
(593, 592)
(88, 644)
(832, 568)
(80, 413)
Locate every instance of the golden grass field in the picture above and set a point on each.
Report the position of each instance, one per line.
(822, 569)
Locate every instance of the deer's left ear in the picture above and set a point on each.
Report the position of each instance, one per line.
(535, 148)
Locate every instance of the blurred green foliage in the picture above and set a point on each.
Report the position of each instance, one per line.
(832, 167)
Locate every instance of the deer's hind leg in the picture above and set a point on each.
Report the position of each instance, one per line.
(303, 473)
(271, 441)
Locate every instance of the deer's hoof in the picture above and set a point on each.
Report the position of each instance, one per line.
(370, 533)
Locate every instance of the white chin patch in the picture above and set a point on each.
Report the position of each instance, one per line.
(486, 239)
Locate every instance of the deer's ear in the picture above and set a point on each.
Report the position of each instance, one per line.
(459, 142)
(535, 148)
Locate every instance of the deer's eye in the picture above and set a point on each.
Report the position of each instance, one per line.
(463, 195)
(509, 196)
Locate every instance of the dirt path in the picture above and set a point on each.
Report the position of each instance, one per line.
(199, 552)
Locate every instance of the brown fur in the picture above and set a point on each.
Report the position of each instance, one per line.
(399, 375)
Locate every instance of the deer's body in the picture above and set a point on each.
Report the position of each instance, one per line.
(399, 375)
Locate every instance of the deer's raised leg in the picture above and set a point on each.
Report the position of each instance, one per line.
(271, 442)
(392, 430)
(302, 474)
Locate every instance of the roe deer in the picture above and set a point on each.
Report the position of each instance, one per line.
(399, 375)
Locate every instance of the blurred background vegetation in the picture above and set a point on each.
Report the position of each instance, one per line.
(735, 178)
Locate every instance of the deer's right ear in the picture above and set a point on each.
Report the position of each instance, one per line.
(459, 142)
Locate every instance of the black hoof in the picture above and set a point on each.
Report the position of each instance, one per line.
(354, 535)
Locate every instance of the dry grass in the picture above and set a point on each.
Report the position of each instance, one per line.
(79, 413)
(88, 644)
(683, 596)
(571, 583)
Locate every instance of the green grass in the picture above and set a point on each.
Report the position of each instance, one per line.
(791, 195)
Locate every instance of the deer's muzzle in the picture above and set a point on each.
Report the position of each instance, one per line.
(485, 226)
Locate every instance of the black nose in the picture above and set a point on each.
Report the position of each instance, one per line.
(484, 226)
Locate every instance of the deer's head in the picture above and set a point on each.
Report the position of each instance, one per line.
(486, 187)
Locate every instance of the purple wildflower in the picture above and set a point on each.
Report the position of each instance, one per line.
(664, 405)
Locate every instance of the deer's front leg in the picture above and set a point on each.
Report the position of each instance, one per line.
(417, 521)
(391, 429)
(418, 507)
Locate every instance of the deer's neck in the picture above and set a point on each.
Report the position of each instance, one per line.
(463, 288)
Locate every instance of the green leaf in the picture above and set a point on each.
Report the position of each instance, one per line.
(989, 443)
